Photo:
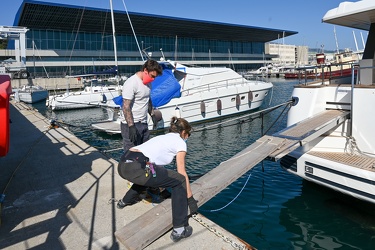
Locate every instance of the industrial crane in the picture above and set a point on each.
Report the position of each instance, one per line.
(15, 67)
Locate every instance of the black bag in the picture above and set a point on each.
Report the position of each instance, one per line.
(130, 157)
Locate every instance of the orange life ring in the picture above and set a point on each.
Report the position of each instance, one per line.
(5, 91)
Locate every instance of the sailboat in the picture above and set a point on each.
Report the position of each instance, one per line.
(94, 95)
(30, 94)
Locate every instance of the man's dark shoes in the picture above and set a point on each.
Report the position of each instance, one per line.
(186, 233)
(121, 204)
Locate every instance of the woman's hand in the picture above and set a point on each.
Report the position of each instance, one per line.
(193, 205)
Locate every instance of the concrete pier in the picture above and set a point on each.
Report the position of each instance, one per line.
(49, 83)
(59, 194)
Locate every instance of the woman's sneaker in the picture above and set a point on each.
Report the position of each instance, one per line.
(186, 233)
(121, 204)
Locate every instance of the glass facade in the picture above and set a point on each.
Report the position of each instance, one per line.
(92, 47)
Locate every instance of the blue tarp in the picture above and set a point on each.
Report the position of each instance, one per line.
(163, 89)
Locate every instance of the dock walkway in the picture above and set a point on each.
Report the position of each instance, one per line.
(57, 191)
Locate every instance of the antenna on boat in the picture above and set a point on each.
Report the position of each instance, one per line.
(162, 55)
(209, 56)
(355, 41)
(337, 44)
(175, 50)
(363, 41)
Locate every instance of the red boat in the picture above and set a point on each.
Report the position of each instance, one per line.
(341, 67)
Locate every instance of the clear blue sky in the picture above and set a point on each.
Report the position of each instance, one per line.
(294, 15)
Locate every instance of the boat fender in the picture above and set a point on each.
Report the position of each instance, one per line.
(203, 109)
(219, 106)
(103, 98)
(158, 115)
(238, 101)
(250, 96)
(177, 112)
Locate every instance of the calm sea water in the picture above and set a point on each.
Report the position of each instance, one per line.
(267, 207)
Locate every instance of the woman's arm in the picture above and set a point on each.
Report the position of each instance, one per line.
(180, 160)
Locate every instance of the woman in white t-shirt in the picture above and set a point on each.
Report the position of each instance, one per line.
(143, 166)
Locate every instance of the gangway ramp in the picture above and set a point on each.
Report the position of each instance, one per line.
(142, 231)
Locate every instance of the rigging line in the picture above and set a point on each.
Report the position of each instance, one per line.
(131, 25)
(282, 112)
(76, 36)
(103, 33)
(243, 187)
(225, 126)
(37, 51)
(284, 115)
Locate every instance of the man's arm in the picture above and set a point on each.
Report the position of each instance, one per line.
(126, 109)
(150, 108)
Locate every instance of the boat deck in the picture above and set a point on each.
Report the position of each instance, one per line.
(110, 127)
(307, 130)
(358, 161)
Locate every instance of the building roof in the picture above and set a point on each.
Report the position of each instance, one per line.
(43, 15)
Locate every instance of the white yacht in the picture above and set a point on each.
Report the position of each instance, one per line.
(204, 93)
(91, 96)
(342, 158)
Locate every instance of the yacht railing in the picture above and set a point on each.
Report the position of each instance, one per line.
(323, 72)
(357, 81)
(219, 84)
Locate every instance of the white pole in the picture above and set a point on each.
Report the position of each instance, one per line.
(355, 41)
(114, 35)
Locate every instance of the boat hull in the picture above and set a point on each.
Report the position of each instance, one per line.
(349, 180)
(82, 99)
(344, 158)
(31, 94)
(33, 97)
(234, 101)
(211, 105)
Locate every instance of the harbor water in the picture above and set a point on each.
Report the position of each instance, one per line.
(267, 207)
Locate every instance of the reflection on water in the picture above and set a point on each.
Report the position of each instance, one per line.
(276, 210)
(324, 219)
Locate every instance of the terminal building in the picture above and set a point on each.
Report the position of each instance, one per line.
(70, 40)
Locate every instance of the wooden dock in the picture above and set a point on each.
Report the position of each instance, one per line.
(148, 227)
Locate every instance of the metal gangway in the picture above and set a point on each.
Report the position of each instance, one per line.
(142, 231)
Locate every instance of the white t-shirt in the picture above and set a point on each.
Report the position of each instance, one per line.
(134, 89)
(163, 148)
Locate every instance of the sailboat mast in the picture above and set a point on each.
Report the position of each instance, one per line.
(114, 36)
